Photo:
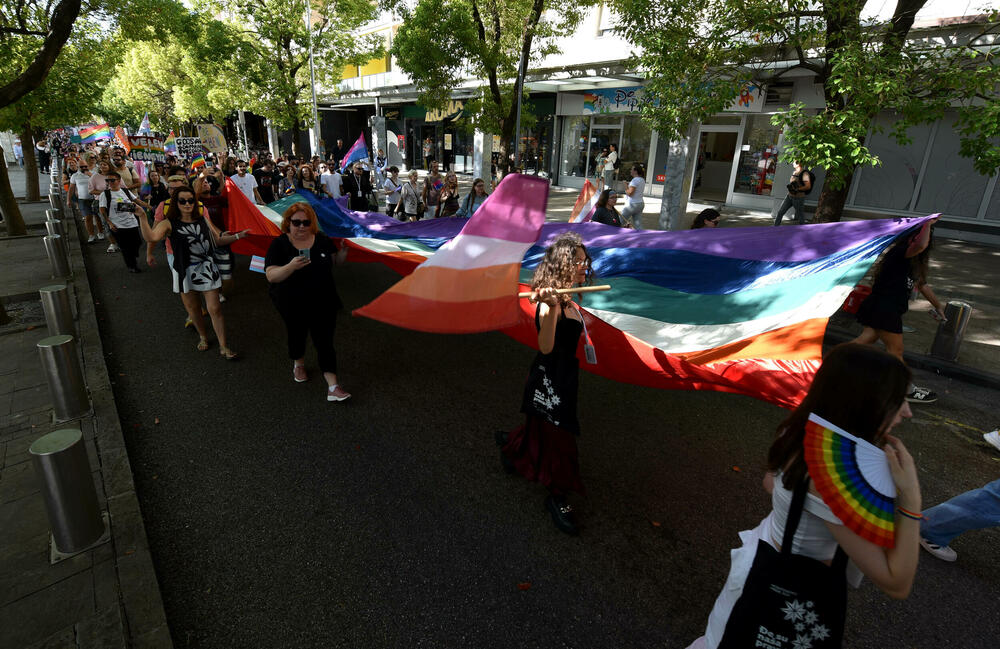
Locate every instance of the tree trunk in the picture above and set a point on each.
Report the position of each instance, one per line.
(8, 206)
(830, 206)
(30, 164)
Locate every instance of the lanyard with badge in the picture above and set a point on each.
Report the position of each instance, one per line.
(588, 346)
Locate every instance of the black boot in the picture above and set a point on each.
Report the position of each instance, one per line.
(562, 514)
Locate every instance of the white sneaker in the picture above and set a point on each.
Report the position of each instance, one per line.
(921, 395)
(112, 248)
(942, 552)
(92, 238)
(100, 236)
(993, 438)
(222, 298)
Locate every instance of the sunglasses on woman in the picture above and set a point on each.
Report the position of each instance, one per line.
(301, 224)
(185, 201)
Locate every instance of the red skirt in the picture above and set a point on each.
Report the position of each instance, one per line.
(545, 453)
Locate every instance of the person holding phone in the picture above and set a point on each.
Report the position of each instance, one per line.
(299, 266)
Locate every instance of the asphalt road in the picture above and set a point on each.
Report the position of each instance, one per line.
(277, 519)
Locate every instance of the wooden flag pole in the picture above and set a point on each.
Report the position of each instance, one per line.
(578, 289)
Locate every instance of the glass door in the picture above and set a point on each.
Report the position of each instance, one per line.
(714, 163)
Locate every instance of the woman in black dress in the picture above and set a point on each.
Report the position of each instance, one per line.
(881, 314)
(299, 266)
(544, 449)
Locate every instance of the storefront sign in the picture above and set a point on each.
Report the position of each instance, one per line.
(661, 178)
(614, 100)
(751, 99)
(148, 149)
(188, 147)
(447, 141)
(212, 138)
(496, 143)
(451, 110)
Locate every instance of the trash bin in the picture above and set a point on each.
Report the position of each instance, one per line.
(949, 334)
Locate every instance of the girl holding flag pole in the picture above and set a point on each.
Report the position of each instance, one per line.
(544, 449)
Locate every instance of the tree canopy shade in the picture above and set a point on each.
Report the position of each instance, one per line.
(443, 42)
(700, 54)
(47, 27)
(272, 51)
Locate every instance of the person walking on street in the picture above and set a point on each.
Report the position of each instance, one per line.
(392, 190)
(358, 187)
(433, 184)
(246, 183)
(973, 510)
(448, 200)
(79, 191)
(19, 154)
(605, 211)
(409, 195)
(634, 203)
(544, 449)
(474, 199)
(98, 184)
(333, 182)
(799, 186)
(610, 166)
(119, 208)
(195, 272)
(299, 267)
(881, 313)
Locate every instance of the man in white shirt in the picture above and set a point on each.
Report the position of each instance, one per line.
(634, 203)
(333, 182)
(79, 190)
(609, 166)
(120, 206)
(246, 183)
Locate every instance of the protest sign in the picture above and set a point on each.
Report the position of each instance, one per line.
(148, 149)
(212, 138)
(188, 147)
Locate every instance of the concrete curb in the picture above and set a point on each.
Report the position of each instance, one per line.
(144, 620)
(951, 369)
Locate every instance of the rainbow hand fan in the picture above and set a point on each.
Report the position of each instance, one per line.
(853, 478)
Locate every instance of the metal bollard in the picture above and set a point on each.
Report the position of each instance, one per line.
(56, 204)
(55, 248)
(64, 376)
(52, 215)
(949, 334)
(58, 313)
(55, 228)
(63, 469)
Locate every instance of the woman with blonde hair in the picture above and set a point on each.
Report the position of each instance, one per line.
(410, 197)
(448, 199)
(299, 266)
(544, 449)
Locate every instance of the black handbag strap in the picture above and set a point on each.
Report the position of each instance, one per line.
(792, 523)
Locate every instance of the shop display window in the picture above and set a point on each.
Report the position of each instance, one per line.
(573, 158)
(758, 156)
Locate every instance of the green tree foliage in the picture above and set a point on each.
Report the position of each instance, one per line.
(271, 53)
(441, 43)
(700, 54)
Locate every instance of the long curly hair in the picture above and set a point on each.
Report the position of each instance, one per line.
(558, 268)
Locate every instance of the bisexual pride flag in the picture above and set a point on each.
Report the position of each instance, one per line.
(357, 152)
(95, 132)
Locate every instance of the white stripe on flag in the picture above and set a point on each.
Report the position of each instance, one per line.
(257, 264)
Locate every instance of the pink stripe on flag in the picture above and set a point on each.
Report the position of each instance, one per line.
(513, 210)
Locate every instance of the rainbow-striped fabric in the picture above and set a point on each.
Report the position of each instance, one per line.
(170, 144)
(198, 162)
(739, 310)
(95, 132)
(852, 476)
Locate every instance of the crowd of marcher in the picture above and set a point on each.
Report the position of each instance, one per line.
(858, 387)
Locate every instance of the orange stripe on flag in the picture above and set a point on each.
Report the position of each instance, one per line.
(440, 317)
(800, 341)
(453, 285)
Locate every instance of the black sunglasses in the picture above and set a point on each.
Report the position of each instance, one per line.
(301, 224)
(185, 201)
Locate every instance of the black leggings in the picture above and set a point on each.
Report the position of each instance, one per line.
(321, 325)
(129, 241)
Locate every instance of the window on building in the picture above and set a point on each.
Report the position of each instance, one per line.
(890, 185)
(950, 185)
(636, 136)
(758, 156)
(575, 132)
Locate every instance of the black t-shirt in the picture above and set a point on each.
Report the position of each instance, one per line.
(607, 217)
(892, 284)
(265, 184)
(311, 287)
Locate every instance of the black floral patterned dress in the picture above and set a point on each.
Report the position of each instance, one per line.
(195, 266)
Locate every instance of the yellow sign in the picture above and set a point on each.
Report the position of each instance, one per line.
(496, 144)
(452, 109)
(212, 138)
(447, 141)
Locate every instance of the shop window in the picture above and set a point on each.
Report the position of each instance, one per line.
(993, 209)
(758, 156)
(890, 185)
(575, 132)
(950, 185)
(636, 136)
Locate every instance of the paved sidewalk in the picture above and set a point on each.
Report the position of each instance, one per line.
(107, 596)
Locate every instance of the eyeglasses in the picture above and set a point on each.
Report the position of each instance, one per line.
(114, 180)
(301, 224)
(185, 201)
(582, 264)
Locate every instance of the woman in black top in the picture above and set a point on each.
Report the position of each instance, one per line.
(299, 266)
(881, 314)
(158, 191)
(605, 212)
(544, 448)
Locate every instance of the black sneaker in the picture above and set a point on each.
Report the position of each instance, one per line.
(562, 515)
(921, 395)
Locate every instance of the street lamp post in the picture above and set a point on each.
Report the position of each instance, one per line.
(314, 131)
(519, 91)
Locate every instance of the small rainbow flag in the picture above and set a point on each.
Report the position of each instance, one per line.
(170, 144)
(198, 162)
(852, 476)
(586, 203)
(470, 284)
(95, 132)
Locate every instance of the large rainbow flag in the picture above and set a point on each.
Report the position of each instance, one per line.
(739, 310)
(95, 132)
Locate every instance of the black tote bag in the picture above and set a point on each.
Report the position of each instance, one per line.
(790, 601)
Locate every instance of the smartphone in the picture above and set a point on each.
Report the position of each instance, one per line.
(304, 253)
